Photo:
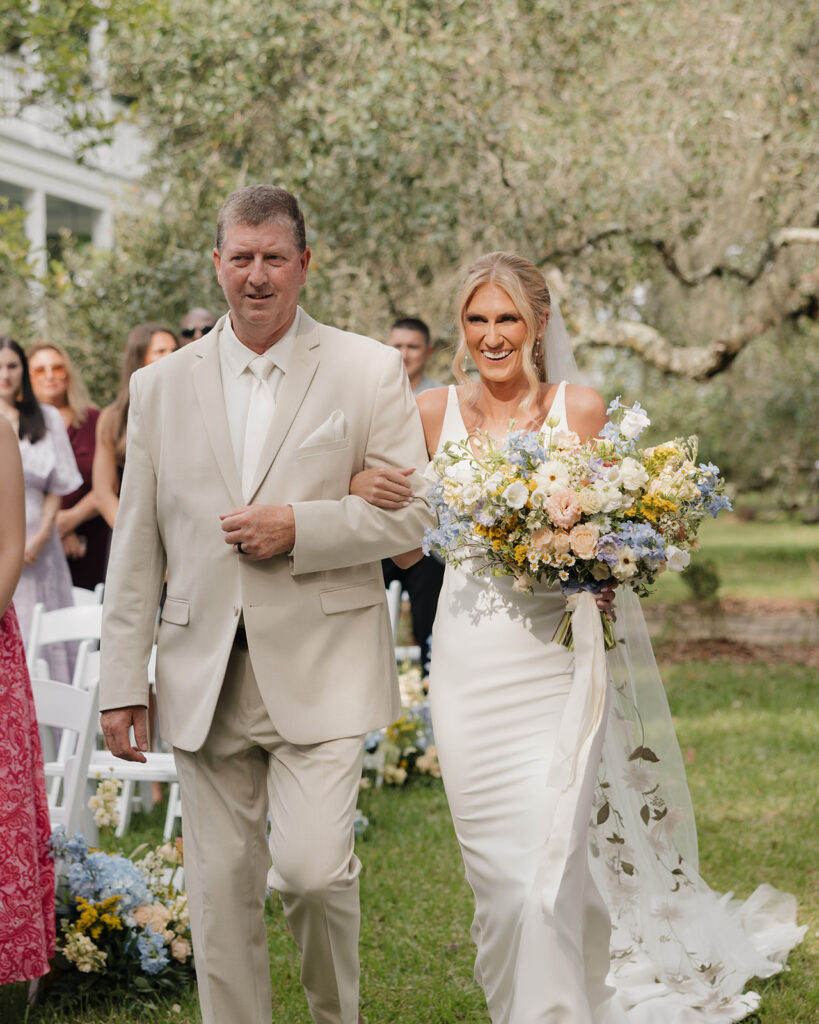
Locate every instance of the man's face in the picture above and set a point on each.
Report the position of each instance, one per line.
(195, 324)
(261, 272)
(413, 348)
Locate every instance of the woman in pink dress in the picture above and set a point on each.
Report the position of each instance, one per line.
(26, 867)
(84, 533)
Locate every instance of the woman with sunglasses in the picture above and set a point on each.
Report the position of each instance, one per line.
(50, 472)
(84, 533)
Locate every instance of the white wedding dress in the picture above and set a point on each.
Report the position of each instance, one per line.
(586, 909)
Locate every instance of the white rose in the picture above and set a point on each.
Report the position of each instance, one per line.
(431, 473)
(590, 500)
(564, 439)
(460, 472)
(632, 474)
(516, 495)
(470, 494)
(610, 497)
(633, 424)
(676, 558)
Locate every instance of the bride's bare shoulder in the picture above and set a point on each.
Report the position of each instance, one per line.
(585, 410)
(432, 406)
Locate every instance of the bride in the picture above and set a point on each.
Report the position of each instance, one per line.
(578, 840)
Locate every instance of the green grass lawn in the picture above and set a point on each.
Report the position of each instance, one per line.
(755, 560)
(750, 736)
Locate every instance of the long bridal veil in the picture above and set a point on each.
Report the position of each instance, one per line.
(680, 953)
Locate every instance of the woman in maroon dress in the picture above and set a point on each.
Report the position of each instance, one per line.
(26, 868)
(84, 533)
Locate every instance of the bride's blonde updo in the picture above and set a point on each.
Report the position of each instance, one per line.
(527, 288)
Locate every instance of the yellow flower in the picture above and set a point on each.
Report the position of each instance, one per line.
(520, 553)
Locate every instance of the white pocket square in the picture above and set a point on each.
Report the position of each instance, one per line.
(332, 429)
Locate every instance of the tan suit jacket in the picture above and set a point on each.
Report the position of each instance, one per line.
(317, 625)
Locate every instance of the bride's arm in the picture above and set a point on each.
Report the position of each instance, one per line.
(585, 411)
(387, 487)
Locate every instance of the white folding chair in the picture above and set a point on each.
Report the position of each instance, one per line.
(76, 622)
(394, 607)
(85, 597)
(74, 711)
(158, 767)
(395, 598)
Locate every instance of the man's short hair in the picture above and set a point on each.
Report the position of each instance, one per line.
(261, 204)
(412, 323)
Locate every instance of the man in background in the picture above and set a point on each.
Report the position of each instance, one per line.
(411, 337)
(421, 581)
(195, 324)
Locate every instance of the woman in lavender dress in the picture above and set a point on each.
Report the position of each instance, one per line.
(50, 471)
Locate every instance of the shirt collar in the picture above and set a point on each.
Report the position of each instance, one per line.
(239, 356)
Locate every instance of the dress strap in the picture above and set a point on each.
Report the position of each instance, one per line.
(558, 407)
(453, 428)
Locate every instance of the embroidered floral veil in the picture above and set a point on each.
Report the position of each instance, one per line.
(676, 945)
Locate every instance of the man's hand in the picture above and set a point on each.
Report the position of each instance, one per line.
(115, 725)
(261, 530)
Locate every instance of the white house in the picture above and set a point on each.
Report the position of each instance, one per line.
(38, 169)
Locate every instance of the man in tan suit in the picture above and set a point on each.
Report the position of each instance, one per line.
(275, 651)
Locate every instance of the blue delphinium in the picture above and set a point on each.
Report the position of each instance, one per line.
(707, 484)
(71, 849)
(153, 956)
(522, 447)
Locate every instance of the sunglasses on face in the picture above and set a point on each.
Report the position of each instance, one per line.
(190, 332)
(57, 372)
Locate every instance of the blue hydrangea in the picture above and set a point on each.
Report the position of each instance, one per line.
(101, 875)
(153, 956)
(75, 848)
(372, 739)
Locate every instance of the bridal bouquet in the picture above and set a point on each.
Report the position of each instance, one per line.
(544, 507)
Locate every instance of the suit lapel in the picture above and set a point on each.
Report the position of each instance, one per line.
(303, 364)
(207, 383)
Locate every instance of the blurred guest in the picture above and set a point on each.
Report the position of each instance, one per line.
(421, 581)
(26, 868)
(146, 343)
(50, 472)
(411, 337)
(84, 533)
(195, 324)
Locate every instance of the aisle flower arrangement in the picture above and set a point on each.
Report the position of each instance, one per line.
(406, 747)
(542, 507)
(122, 924)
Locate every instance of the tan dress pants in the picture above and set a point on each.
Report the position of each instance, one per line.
(243, 769)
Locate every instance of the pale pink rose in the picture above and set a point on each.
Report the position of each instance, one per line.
(561, 542)
(159, 916)
(563, 508)
(584, 539)
(142, 915)
(541, 541)
(180, 950)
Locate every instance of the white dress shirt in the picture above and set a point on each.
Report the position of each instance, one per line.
(237, 379)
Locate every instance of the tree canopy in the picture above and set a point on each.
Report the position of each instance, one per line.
(655, 158)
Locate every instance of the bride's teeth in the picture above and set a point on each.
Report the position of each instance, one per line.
(496, 356)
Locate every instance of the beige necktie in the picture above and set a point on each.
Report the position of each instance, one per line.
(259, 415)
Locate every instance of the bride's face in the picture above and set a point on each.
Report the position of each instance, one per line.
(495, 334)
